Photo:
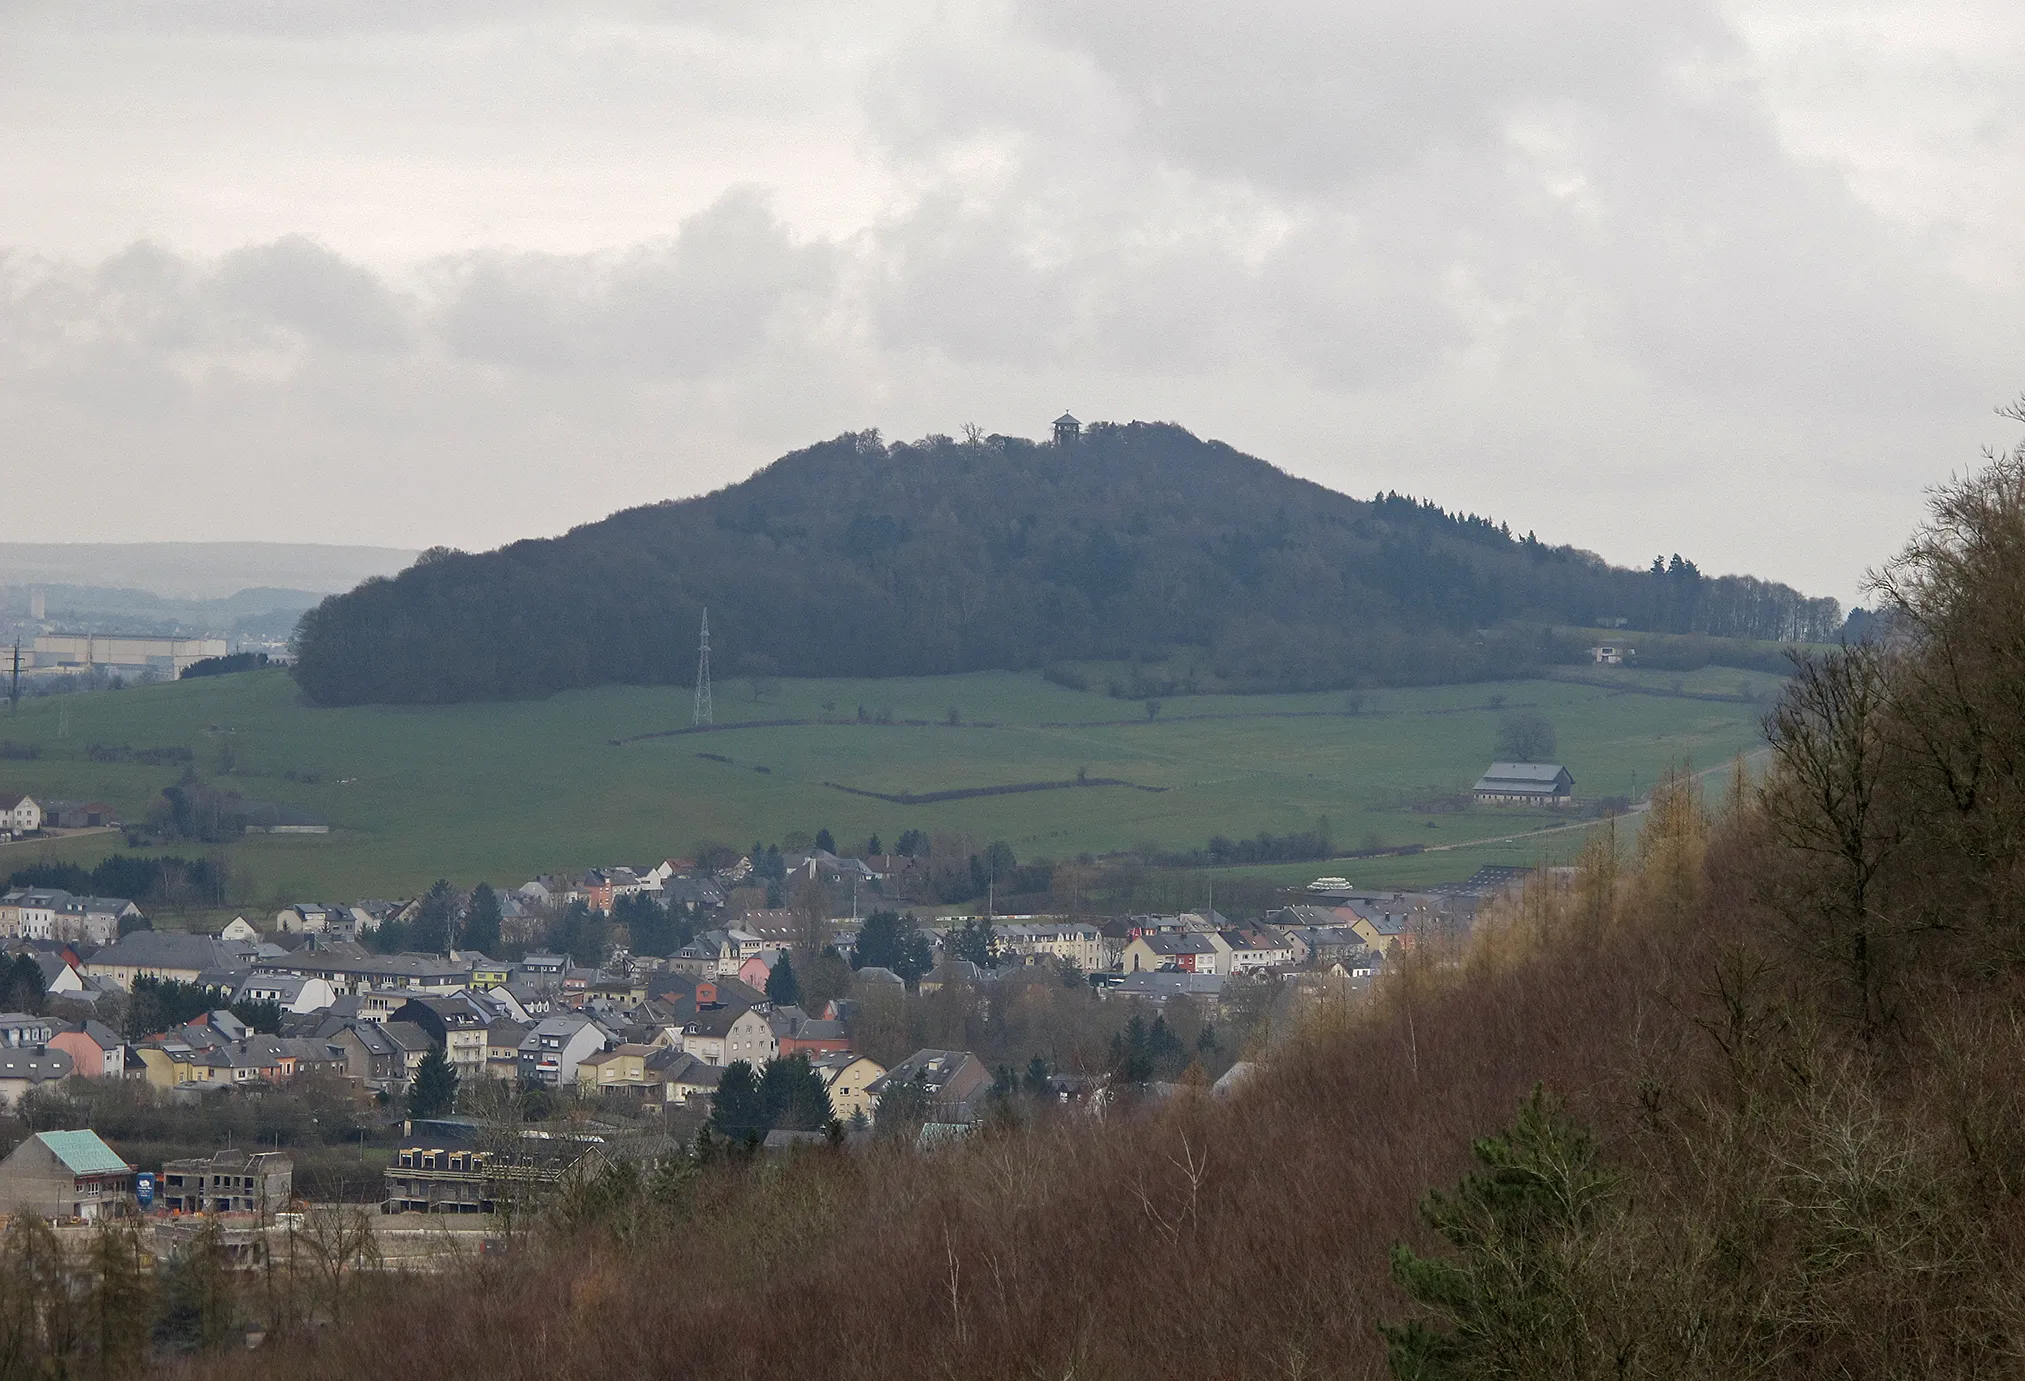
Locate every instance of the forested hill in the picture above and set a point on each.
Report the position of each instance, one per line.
(861, 558)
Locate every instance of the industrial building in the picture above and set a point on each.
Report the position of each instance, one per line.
(82, 652)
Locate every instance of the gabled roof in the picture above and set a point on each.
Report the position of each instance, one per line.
(169, 949)
(82, 1153)
(17, 1063)
(1524, 777)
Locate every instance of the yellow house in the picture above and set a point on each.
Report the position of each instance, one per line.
(1380, 930)
(489, 973)
(846, 1076)
(172, 1069)
(608, 1071)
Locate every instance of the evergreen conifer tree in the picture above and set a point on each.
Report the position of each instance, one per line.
(1507, 1301)
(434, 1092)
(432, 927)
(481, 921)
(736, 1111)
(781, 985)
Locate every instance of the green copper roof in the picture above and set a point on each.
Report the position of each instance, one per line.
(82, 1152)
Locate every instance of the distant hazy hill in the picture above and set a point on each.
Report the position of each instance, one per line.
(855, 557)
(196, 570)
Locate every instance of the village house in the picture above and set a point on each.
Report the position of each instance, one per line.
(24, 1069)
(795, 1032)
(556, 1045)
(1067, 942)
(289, 992)
(1184, 951)
(952, 1084)
(458, 1024)
(849, 1079)
(646, 1072)
(503, 1038)
(720, 1035)
(95, 1050)
(1259, 948)
(19, 814)
(1159, 988)
(349, 969)
(59, 1175)
(167, 954)
(50, 913)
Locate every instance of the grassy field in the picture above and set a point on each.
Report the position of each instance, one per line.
(502, 791)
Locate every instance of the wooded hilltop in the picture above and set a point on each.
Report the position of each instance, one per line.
(857, 557)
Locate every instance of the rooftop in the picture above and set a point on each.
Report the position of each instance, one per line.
(82, 1153)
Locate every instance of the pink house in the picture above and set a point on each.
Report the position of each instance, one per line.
(95, 1050)
(755, 971)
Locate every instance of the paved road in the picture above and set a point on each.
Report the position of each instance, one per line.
(52, 836)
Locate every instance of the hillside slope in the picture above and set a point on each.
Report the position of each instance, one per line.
(858, 558)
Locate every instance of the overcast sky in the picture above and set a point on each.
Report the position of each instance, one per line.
(1735, 280)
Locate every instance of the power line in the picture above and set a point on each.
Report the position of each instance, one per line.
(703, 673)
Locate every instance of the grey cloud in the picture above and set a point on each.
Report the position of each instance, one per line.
(1310, 97)
(299, 285)
(687, 307)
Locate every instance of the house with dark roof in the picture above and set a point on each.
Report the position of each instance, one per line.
(1525, 783)
(95, 1049)
(951, 1084)
(30, 1067)
(1161, 988)
(167, 954)
(66, 1175)
(349, 969)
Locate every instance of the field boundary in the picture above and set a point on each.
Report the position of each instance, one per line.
(841, 723)
(1720, 697)
(966, 793)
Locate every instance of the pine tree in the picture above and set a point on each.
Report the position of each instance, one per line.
(21, 986)
(1510, 1295)
(431, 930)
(1129, 1060)
(737, 1111)
(880, 940)
(481, 921)
(1037, 1085)
(434, 1092)
(781, 985)
(793, 1096)
(826, 841)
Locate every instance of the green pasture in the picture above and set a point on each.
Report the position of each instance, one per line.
(503, 791)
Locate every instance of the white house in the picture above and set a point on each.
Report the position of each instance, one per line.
(29, 913)
(241, 929)
(721, 1035)
(19, 813)
(1262, 948)
(552, 1050)
(288, 991)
